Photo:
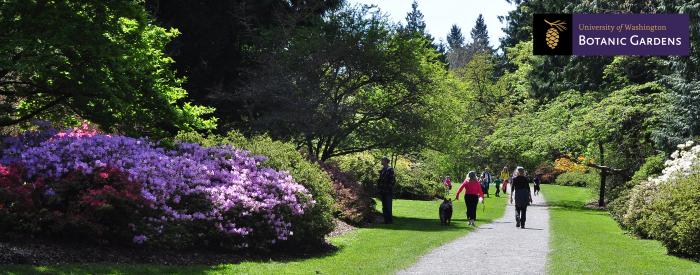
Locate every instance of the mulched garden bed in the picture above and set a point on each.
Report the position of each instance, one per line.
(341, 228)
(43, 252)
(35, 252)
(594, 206)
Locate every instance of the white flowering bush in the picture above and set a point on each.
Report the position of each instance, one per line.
(666, 207)
(684, 162)
(637, 207)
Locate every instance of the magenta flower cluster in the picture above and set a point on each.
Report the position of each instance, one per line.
(241, 197)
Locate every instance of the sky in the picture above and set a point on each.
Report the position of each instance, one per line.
(439, 15)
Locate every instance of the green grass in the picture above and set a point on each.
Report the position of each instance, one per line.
(587, 241)
(377, 250)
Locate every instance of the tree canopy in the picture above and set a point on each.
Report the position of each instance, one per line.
(352, 84)
(95, 60)
(455, 39)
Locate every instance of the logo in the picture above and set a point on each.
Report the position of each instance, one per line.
(552, 34)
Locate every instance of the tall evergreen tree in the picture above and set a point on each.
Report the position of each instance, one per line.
(480, 37)
(415, 26)
(455, 39)
(414, 20)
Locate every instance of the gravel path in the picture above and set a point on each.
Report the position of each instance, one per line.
(495, 248)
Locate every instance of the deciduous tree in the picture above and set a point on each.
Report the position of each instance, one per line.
(96, 60)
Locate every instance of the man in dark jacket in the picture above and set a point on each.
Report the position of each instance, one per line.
(521, 189)
(385, 184)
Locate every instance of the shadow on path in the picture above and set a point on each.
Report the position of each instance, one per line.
(420, 224)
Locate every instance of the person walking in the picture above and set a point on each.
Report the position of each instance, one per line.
(472, 193)
(505, 175)
(523, 197)
(498, 183)
(448, 184)
(486, 180)
(537, 181)
(385, 184)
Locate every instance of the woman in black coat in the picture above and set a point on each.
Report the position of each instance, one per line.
(520, 188)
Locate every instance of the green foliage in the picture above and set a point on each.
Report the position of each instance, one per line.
(620, 197)
(416, 180)
(465, 112)
(368, 92)
(679, 118)
(584, 241)
(640, 198)
(580, 179)
(629, 70)
(364, 167)
(674, 218)
(616, 128)
(318, 221)
(653, 165)
(221, 41)
(531, 136)
(96, 60)
(455, 39)
(414, 20)
(480, 38)
(618, 206)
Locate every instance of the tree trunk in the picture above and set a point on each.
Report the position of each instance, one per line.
(603, 174)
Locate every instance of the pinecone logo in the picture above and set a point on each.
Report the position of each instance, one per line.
(552, 35)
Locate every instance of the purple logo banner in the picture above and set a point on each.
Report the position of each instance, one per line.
(630, 34)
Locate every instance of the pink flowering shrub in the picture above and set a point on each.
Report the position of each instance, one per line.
(187, 196)
(98, 207)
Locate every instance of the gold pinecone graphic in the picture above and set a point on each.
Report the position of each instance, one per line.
(552, 35)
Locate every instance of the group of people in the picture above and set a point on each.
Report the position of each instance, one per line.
(474, 187)
(520, 192)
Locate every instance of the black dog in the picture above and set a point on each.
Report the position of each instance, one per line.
(446, 211)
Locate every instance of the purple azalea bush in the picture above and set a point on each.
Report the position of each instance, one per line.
(220, 191)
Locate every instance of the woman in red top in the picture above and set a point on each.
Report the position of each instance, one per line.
(472, 192)
(448, 184)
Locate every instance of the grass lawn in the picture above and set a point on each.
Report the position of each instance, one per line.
(377, 250)
(587, 241)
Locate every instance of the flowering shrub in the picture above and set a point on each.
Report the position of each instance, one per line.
(637, 207)
(567, 165)
(620, 196)
(100, 206)
(195, 194)
(310, 228)
(673, 216)
(665, 207)
(684, 162)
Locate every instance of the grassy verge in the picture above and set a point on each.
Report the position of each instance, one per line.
(376, 250)
(587, 241)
